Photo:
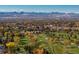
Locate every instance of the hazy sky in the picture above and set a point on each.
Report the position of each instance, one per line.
(40, 8)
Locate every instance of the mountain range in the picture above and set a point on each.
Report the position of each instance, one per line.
(38, 15)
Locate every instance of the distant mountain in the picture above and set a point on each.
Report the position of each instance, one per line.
(38, 15)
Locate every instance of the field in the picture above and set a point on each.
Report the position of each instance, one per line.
(39, 37)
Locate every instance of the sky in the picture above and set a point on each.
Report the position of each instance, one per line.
(40, 8)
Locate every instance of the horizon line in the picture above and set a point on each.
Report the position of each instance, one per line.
(38, 12)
